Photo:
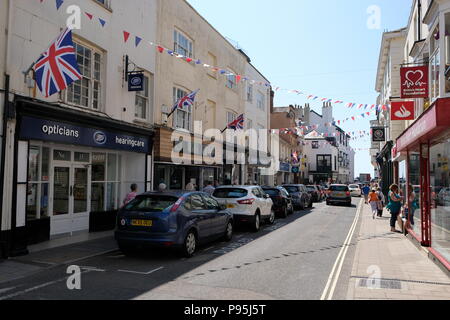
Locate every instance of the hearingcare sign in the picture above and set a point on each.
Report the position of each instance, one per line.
(414, 82)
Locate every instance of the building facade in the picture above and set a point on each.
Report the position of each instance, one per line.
(422, 148)
(71, 158)
(221, 99)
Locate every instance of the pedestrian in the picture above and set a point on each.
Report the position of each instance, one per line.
(394, 206)
(132, 195)
(209, 189)
(366, 191)
(190, 187)
(412, 205)
(382, 202)
(162, 187)
(216, 184)
(374, 201)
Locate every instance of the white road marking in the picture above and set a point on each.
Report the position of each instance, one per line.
(90, 256)
(44, 262)
(92, 269)
(19, 293)
(142, 273)
(6, 289)
(337, 268)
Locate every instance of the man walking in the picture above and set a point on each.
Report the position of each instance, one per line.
(366, 191)
(209, 189)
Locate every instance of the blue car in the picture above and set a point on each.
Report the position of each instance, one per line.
(172, 220)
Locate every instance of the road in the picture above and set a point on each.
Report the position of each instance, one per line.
(291, 260)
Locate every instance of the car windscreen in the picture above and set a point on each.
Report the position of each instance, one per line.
(353, 186)
(339, 188)
(310, 188)
(292, 189)
(272, 192)
(153, 203)
(230, 193)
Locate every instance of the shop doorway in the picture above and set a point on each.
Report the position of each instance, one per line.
(71, 198)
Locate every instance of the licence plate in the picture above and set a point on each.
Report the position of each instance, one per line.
(230, 206)
(340, 194)
(141, 223)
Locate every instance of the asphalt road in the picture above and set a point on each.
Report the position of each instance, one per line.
(290, 260)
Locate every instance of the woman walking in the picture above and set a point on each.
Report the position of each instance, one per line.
(395, 205)
(382, 202)
(374, 202)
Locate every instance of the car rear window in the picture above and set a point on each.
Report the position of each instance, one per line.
(230, 193)
(354, 186)
(154, 203)
(339, 188)
(272, 192)
(292, 189)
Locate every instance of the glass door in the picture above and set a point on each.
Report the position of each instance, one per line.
(61, 191)
(80, 190)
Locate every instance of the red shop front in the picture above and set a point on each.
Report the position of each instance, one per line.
(427, 145)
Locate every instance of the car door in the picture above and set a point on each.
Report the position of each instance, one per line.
(202, 216)
(268, 203)
(218, 218)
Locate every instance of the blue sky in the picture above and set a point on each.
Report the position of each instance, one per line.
(320, 47)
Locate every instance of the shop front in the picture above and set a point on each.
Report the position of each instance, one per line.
(73, 175)
(427, 146)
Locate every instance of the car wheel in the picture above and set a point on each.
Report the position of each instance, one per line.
(328, 203)
(271, 219)
(256, 222)
(285, 212)
(229, 232)
(190, 244)
(310, 204)
(291, 210)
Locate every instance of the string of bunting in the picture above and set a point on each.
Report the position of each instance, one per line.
(223, 71)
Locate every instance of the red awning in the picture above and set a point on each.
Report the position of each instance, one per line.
(432, 125)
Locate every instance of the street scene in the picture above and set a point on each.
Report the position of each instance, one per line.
(175, 150)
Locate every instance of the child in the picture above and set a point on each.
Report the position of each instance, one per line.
(374, 202)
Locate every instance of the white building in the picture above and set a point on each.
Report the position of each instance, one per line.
(328, 149)
(66, 155)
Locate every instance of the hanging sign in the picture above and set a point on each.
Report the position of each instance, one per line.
(136, 82)
(414, 82)
(379, 134)
(403, 110)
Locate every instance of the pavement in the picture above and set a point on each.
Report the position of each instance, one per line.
(388, 266)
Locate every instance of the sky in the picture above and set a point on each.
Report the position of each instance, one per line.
(321, 47)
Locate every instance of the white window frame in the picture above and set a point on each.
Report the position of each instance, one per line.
(231, 116)
(146, 96)
(189, 51)
(260, 100)
(91, 78)
(189, 112)
(250, 92)
(231, 82)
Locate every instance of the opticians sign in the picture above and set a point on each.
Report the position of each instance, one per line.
(414, 82)
(46, 130)
(403, 110)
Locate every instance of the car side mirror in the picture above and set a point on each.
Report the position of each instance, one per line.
(266, 196)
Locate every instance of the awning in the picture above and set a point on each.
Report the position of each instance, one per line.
(432, 126)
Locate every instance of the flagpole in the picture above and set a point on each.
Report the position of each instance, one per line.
(224, 130)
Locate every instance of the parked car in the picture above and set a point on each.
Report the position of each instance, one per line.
(172, 220)
(301, 199)
(355, 190)
(444, 197)
(339, 193)
(248, 204)
(282, 200)
(315, 193)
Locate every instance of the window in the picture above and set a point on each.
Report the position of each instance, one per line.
(38, 183)
(315, 144)
(104, 3)
(250, 92)
(87, 91)
(447, 53)
(260, 103)
(249, 124)
(105, 186)
(435, 62)
(231, 80)
(183, 116)
(212, 61)
(142, 101)
(231, 116)
(182, 44)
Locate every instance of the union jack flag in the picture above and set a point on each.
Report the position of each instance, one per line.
(186, 101)
(57, 68)
(237, 124)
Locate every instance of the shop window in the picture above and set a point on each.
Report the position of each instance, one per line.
(414, 181)
(106, 182)
(38, 179)
(86, 92)
(440, 198)
(61, 155)
(82, 157)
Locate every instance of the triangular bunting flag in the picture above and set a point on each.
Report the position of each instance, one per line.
(90, 16)
(102, 22)
(59, 3)
(126, 35)
(137, 41)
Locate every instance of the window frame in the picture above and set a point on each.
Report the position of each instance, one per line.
(189, 52)
(189, 113)
(145, 97)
